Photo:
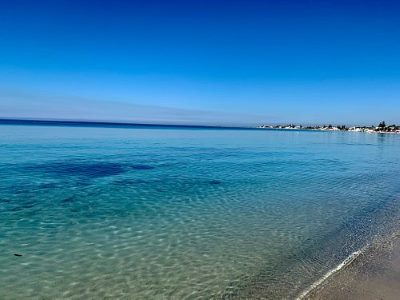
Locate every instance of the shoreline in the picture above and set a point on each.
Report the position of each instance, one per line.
(357, 237)
(345, 263)
(373, 272)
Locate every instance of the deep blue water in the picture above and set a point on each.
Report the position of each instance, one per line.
(186, 213)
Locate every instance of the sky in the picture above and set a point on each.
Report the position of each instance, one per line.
(201, 62)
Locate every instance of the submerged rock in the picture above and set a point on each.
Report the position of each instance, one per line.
(68, 199)
(214, 181)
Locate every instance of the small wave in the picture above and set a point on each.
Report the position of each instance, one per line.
(320, 281)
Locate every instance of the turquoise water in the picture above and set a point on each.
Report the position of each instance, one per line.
(186, 213)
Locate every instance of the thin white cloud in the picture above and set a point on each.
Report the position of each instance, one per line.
(16, 104)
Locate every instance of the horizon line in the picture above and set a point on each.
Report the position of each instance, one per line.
(97, 123)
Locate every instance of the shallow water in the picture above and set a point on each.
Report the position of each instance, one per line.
(185, 213)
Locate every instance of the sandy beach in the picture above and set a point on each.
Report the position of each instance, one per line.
(374, 274)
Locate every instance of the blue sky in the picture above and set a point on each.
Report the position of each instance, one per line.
(201, 62)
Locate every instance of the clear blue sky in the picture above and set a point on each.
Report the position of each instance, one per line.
(201, 62)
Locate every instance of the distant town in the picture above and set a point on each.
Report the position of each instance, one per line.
(381, 128)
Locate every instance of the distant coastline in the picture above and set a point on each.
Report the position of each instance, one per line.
(380, 128)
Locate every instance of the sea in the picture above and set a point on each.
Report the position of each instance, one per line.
(154, 212)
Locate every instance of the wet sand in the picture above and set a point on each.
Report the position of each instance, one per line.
(374, 274)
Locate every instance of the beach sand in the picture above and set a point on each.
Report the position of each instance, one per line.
(374, 274)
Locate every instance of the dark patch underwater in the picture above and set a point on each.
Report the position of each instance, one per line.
(84, 169)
